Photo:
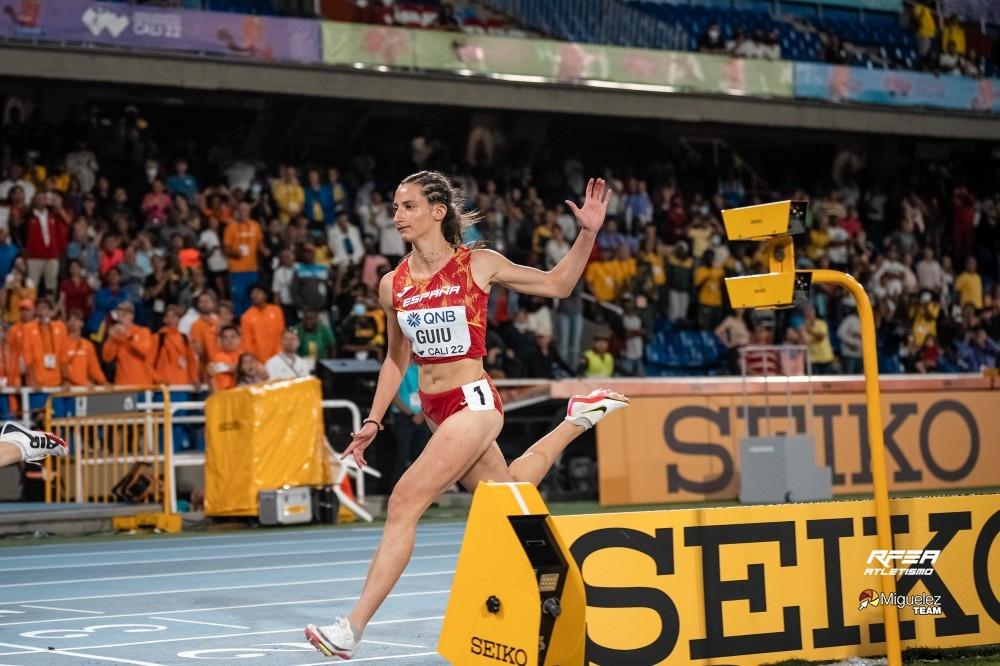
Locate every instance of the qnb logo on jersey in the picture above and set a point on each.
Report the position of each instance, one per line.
(448, 290)
(413, 319)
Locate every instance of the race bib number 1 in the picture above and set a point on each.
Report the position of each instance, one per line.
(478, 395)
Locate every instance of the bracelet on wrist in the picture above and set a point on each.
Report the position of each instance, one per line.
(378, 424)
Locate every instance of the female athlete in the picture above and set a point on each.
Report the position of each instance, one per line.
(436, 306)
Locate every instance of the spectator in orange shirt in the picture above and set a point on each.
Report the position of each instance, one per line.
(15, 343)
(242, 243)
(43, 345)
(80, 365)
(174, 361)
(175, 364)
(226, 359)
(262, 326)
(130, 347)
(205, 329)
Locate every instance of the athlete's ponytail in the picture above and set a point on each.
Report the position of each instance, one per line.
(439, 190)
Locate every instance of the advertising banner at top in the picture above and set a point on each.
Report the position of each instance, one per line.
(837, 83)
(547, 60)
(113, 24)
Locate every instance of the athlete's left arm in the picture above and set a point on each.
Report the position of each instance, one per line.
(558, 282)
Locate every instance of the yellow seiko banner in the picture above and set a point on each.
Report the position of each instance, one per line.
(259, 438)
(755, 585)
(686, 447)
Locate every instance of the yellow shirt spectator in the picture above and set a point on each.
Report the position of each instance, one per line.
(656, 266)
(926, 26)
(539, 237)
(953, 33)
(623, 271)
(701, 239)
(820, 349)
(598, 364)
(290, 198)
(819, 239)
(925, 322)
(708, 281)
(600, 277)
(970, 289)
(323, 255)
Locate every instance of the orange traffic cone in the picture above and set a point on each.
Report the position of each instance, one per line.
(348, 489)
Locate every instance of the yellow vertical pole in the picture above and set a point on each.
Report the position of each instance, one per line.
(167, 443)
(48, 476)
(890, 614)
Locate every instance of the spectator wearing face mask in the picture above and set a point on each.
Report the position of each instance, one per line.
(711, 40)
(182, 182)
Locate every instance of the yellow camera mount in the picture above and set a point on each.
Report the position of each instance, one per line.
(775, 224)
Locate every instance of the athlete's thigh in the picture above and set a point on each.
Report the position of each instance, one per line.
(454, 447)
(491, 466)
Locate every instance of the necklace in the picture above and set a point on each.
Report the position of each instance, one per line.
(430, 257)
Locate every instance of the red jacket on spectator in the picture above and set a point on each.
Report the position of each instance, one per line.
(58, 237)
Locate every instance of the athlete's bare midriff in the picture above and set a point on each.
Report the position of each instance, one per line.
(438, 377)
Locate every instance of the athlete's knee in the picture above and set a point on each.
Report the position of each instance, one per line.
(405, 503)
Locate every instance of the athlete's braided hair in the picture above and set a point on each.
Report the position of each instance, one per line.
(439, 190)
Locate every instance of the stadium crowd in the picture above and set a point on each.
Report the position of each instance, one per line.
(150, 271)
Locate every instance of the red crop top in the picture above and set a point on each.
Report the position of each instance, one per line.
(443, 317)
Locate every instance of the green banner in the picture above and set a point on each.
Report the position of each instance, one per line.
(547, 60)
(370, 45)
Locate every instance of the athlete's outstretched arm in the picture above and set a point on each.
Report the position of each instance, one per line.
(389, 377)
(558, 282)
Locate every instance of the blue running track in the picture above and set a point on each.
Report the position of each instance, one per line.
(233, 598)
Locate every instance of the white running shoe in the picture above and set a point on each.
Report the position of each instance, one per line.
(334, 640)
(35, 445)
(586, 410)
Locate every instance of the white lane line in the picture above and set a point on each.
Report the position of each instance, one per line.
(210, 572)
(210, 624)
(218, 608)
(27, 649)
(125, 552)
(252, 633)
(188, 560)
(409, 645)
(386, 658)
(64, 610)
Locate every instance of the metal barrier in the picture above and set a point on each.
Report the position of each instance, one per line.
(108, 435)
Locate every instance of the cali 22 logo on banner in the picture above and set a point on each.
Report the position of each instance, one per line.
(98, 20)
